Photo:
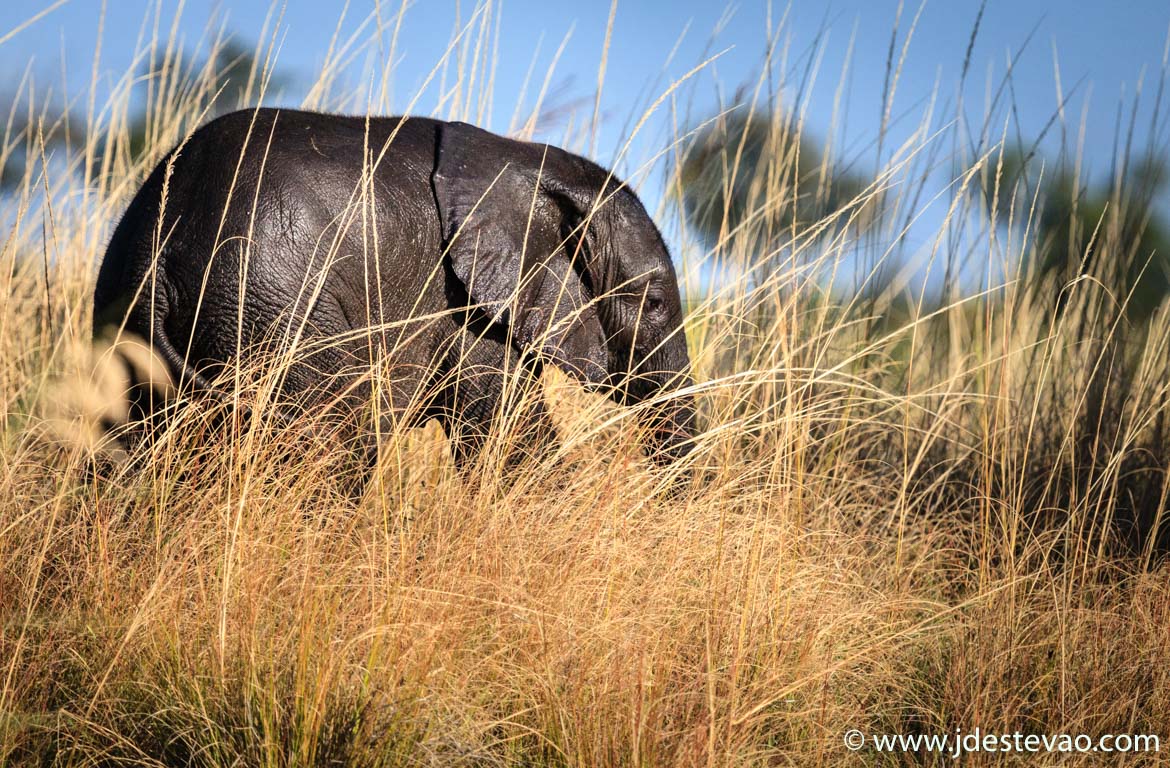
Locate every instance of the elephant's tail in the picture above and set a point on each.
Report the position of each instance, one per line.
(184, 376)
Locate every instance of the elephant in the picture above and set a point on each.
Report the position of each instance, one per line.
(453, 256)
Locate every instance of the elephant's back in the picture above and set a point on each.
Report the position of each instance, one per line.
(355, 192)
(285, 200)
(309, 175)
(333, 207)
(252, 160)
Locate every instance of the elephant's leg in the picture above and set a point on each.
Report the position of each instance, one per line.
(371, 399)
(480, 398)
(534, 434)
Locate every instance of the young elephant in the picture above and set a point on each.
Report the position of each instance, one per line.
(451, 256)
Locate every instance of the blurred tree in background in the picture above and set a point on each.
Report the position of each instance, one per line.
(1114, 231)
(230, 78)
(26, 124)
(757, 170)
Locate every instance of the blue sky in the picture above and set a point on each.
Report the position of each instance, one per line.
(1102, 47)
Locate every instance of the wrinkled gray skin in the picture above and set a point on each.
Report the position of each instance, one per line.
(440, 240)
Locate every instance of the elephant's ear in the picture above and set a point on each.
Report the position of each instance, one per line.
(491, 203)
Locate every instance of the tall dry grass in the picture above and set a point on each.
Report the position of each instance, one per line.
(912, 514)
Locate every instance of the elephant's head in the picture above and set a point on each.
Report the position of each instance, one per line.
(566, 256)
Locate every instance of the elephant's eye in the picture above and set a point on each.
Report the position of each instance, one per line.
(655, 305)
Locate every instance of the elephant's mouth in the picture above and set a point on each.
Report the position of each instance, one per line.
(670, 422)
(631, 388)
(673, 429)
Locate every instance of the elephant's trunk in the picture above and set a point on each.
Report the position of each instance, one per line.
(672, 425)
(660, 386)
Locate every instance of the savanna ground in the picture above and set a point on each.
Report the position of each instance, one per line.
(914, 511)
